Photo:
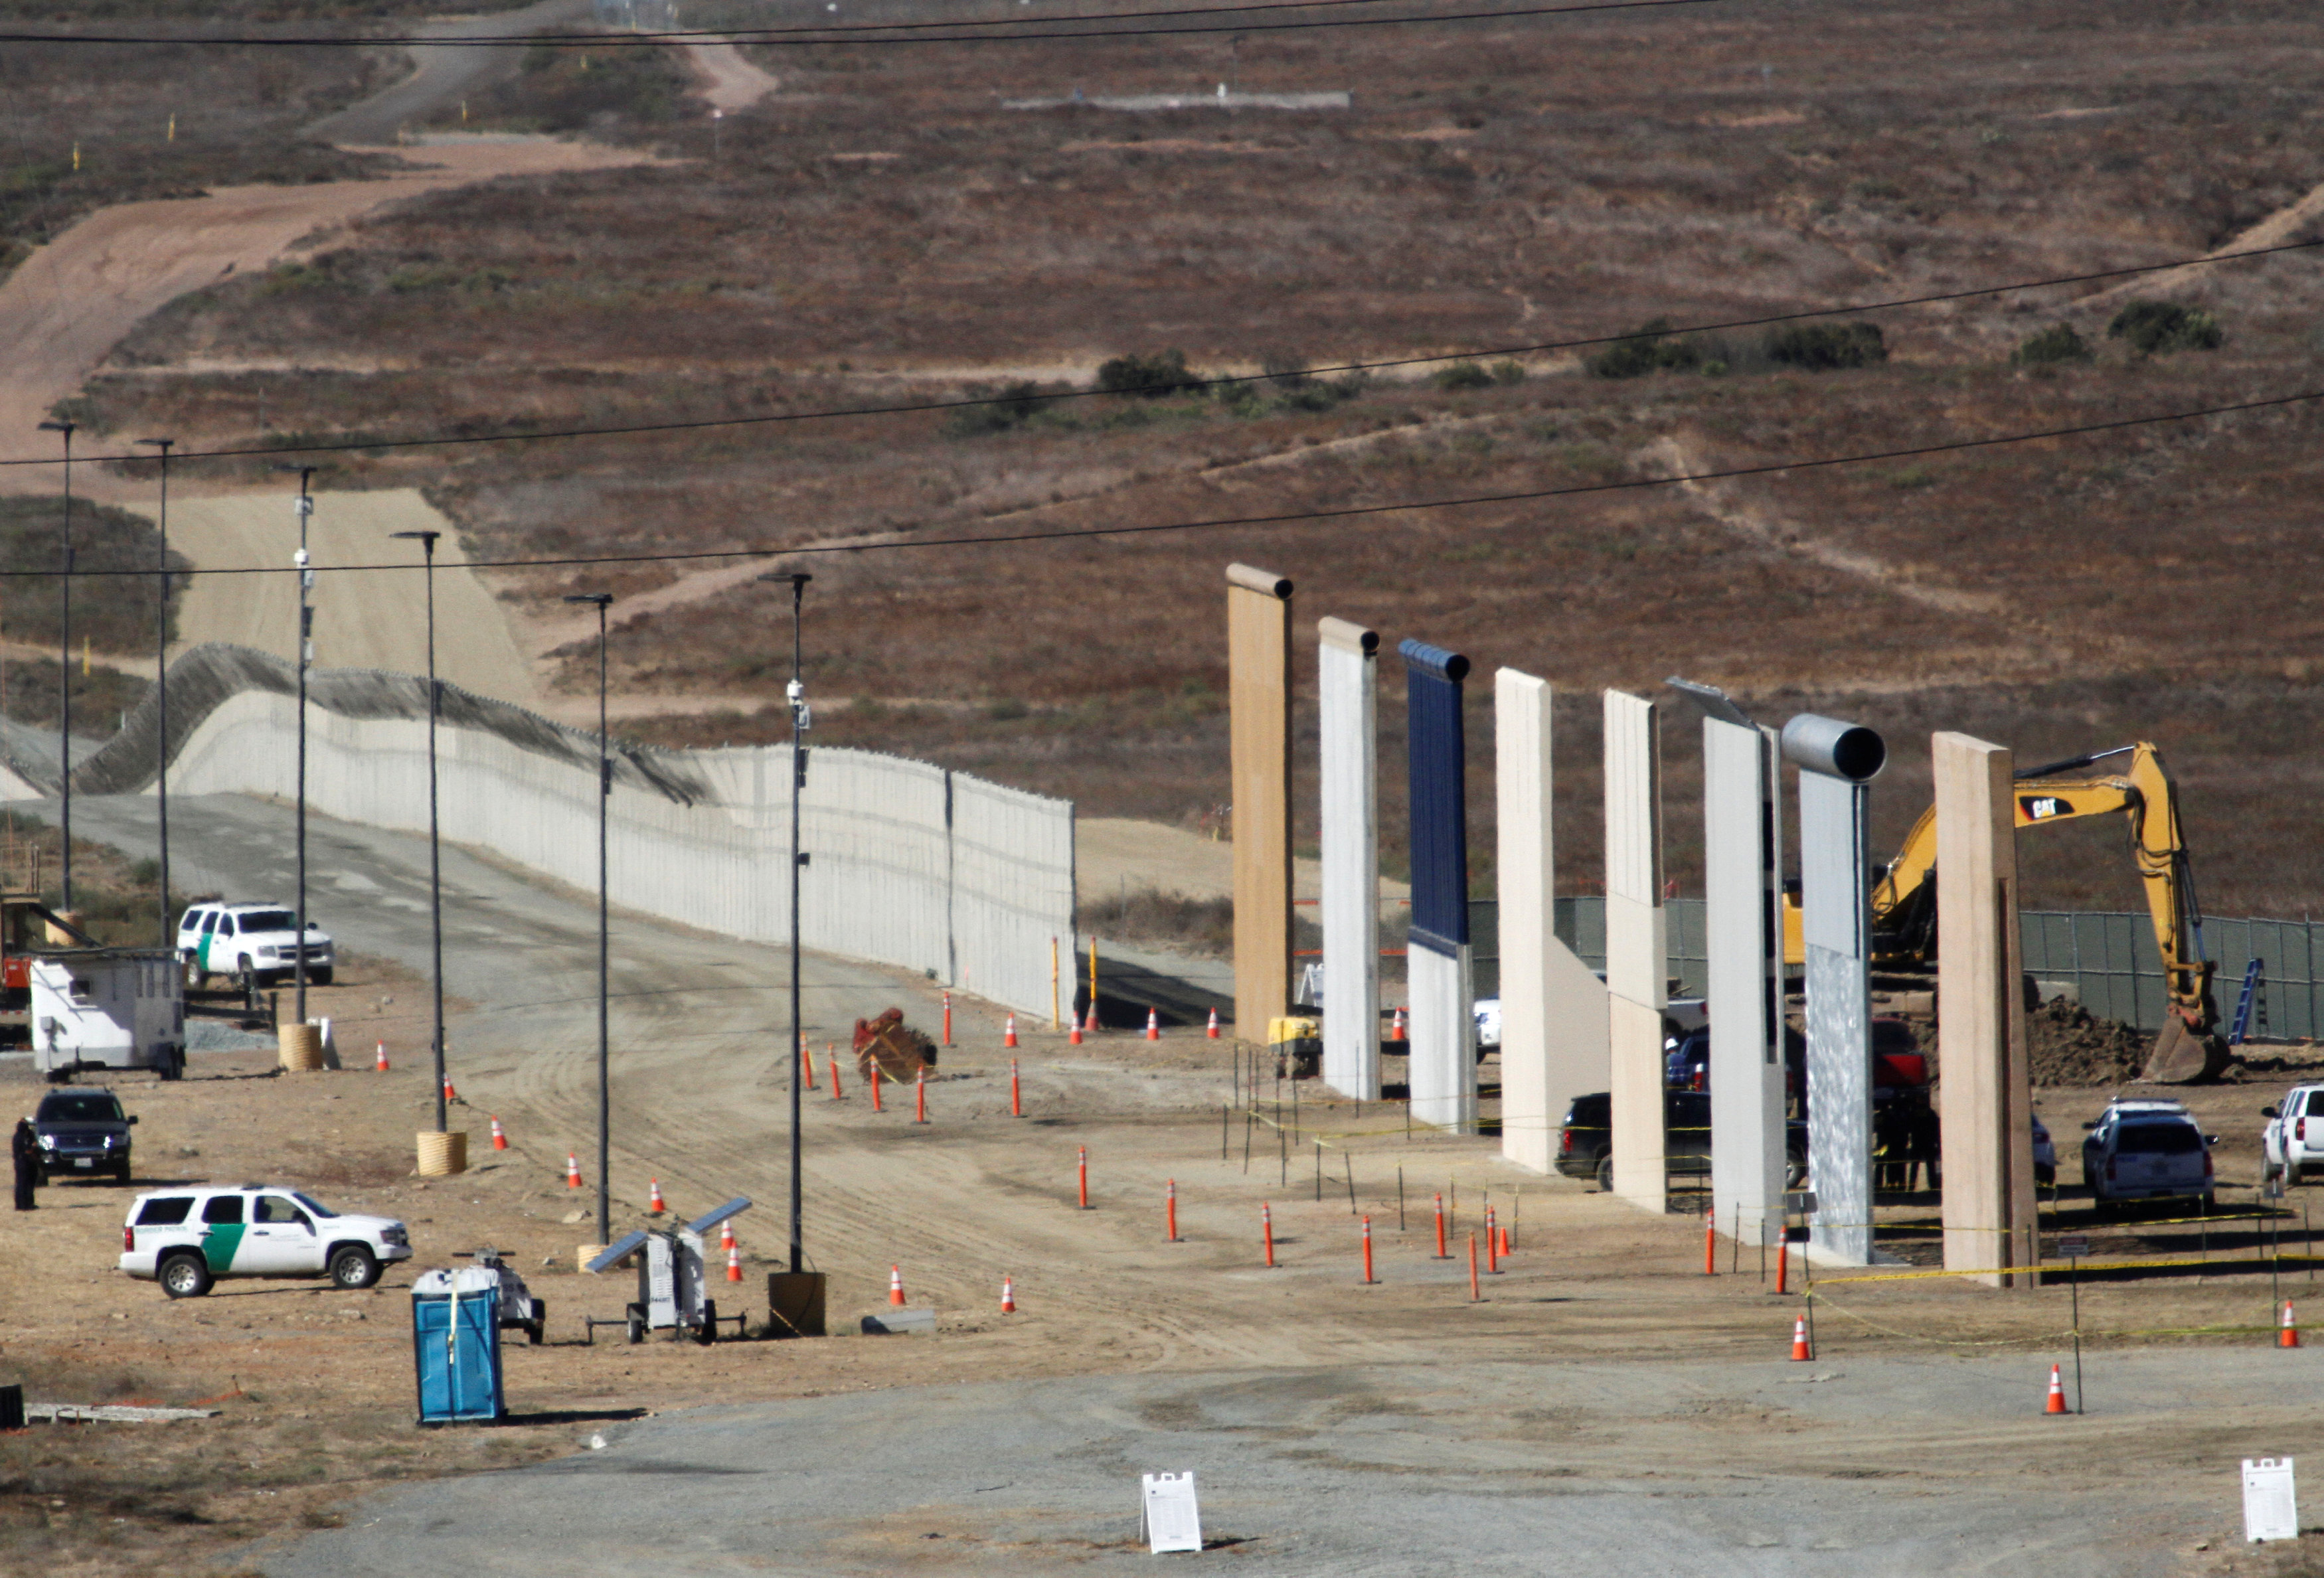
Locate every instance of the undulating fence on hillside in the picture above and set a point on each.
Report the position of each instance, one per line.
(910, 863)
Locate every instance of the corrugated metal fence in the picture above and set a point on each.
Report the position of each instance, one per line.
(2105, 959)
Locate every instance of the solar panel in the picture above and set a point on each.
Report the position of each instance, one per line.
(618, 1251)
(735, 1207)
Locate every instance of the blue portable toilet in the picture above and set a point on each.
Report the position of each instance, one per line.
(455, 1345)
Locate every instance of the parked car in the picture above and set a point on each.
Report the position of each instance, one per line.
(2293, 1140)
(2147, 1150)
(258, 940)
(1585, 1144)
(187, 1239)
(82, 1133)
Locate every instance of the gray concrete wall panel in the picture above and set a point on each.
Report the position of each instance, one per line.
(1347, 676)
(1636, 948)
(1835, 885)
(1741, 864)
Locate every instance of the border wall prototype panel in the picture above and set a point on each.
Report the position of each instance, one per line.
(1259, 697)
(1636, 948)
(1987, 1093)
(913, 865)
(1442, 1032)
(1835, 761)
(1552, 1005)
(1349, 745)
(1742, 867)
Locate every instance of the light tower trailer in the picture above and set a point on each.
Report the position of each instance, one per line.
(107, 1008)
(673, 1295)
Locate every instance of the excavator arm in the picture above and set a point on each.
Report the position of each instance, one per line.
(1905, 899)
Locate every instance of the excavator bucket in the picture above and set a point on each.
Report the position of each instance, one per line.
(2180, 1056)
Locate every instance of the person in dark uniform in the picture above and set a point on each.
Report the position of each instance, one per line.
(24, 1149)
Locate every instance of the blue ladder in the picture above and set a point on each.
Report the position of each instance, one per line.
(2253, 973)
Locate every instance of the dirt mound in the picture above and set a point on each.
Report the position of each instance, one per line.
(2067, 1045)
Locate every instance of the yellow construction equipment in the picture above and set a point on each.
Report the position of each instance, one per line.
(1904, 900)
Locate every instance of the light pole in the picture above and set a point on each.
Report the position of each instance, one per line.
(64, 666)
(800, 721)
(162, 681)
(427, 540)
(600, 600)
(305, 509)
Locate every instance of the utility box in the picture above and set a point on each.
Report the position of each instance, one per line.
(456, 1346)
(107, 1008)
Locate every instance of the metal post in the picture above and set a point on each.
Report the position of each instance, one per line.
(64, 666)
(306, 658)
(795, 693)
(162, 689)
(600, 601)
(427, 540)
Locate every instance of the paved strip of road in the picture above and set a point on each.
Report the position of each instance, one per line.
(445, 71)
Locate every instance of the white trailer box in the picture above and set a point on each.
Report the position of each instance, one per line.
(108, 1007)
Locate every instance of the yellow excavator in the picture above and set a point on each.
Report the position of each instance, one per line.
(1904, 900)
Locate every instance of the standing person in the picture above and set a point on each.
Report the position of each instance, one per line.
(24, 1148)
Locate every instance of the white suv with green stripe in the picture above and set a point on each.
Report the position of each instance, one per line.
(186, 1239)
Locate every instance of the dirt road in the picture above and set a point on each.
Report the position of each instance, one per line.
(366, 621)
(443, 72)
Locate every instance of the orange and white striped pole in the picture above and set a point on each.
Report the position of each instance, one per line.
(806, 1064)
(1080, 1167)
(1492, 1245)
(831, 1051)
(1016, 1094)
(875, 1084)
(1170, 1210)
(1474, 1295)
(1710, 1244)
(1267, 1229)
(1368, 1278)
(920, 1096)
(1442, 1252)
(947, 1018)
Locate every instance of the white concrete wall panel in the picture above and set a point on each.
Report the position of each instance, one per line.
(1739, 829)
(1347, 685)
(972, 890)
(1521, 780)
(1635, 953)
(1443, 1086)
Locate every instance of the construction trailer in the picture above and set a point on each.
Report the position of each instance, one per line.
(98, 1007)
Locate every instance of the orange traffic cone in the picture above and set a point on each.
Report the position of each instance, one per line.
(449, 1093)
(500, 1138)
(1092, 1026)
(1800, 1354)
(895, 1284)
(380, 1067)
(2288, 1336)
(1396, 1031)
(2057, 1403)
(1008, 1032)
(1073, 1033)
(654, 1206)
(726, 1235)
(1008, 1297)
(734, 1261)
(1153, 1025)
(1213, 1031)
(572, 1171)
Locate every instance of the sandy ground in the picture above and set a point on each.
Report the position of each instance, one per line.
(1604, 1382)
(1111, 853)
(363, 620)
(443, 72)
(731, 82)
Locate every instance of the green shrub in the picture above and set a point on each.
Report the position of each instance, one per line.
(2154, 326)
(2057, 343)
(1827, 346)
(1648, 348)
(1508, 373)
(1016, 404)
(1148, 377)
(1462, 375)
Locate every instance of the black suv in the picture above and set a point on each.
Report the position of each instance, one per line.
(1585, 1144)
(83, 1132)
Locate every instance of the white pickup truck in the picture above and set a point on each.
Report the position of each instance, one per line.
(257, 940)
(2294, 1139)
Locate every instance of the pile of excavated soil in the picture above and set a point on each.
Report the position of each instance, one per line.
(2067, 1045)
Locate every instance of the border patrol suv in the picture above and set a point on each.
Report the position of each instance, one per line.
(258, 939)
(2147, 1150)
(186, 1239)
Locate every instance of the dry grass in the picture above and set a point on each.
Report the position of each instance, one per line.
(1495, 185)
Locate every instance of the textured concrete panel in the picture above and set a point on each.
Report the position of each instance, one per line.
(1444, 1031)
(1637, 956)
(1834, 883)
(1259, 696)
(1741, 864)
(1346, 675)
(1987, 1097)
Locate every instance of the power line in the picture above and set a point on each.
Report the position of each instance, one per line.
(1087, 26)
(703, 424)
(1291, 518)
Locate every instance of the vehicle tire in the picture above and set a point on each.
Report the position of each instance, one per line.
(184, 1276)
(1605, 1174)
(1796, 1171)
(121, 1171)
(637, 1326)
(352, 1266)
(535, 1328)
(196, 976)
(321, 977)
(709, 1331)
